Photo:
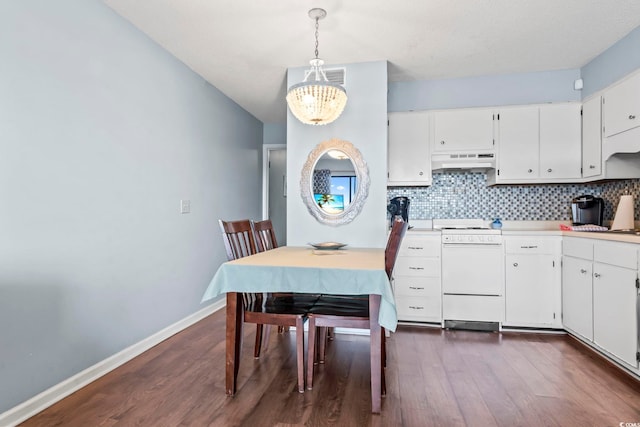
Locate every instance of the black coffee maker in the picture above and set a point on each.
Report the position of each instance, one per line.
(587, 209)
(399, 206)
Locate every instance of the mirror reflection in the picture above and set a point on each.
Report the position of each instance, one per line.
(334, 183)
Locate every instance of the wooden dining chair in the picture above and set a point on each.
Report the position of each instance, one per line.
(349, 311)
(266, 309)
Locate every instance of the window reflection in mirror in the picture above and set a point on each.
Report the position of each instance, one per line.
(334, 182)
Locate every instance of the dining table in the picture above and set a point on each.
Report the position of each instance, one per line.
(345, 271)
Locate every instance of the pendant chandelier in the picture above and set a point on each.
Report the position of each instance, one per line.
(316, 101)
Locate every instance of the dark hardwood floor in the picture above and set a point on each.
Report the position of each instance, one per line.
(434, 378)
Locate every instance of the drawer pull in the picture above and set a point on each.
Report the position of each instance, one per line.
(417, 248)
(416, 268)
(549, 170)
(529, 170)
(596, 275)
(592, 166)
(528, 247)
(413, 307)
(442, 143)
(515, 264)
(631, 117)
(583, 271)
(417, 288)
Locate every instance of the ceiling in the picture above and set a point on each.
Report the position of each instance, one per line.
(244, 47)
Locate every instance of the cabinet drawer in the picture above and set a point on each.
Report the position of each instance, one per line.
(417, 286)
(420, 246)
(578, 248)
(620, 254)
(531, 245)
(417, 266)
(419, 309)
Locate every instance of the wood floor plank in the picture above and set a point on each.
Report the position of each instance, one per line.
(434, 377)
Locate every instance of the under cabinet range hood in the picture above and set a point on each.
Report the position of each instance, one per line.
(463, 161)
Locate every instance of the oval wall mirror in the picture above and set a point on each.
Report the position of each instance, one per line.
(334, 183)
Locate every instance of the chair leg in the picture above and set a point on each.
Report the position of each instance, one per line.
(383, 364)
(258, 346)
(331, 334)
(311, 351)
(300, 352)
(322, 344)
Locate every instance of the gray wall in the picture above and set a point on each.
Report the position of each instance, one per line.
(508, 89)
(102, 132)
(364, 124)
(614, 63)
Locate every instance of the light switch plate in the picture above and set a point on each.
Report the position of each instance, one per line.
(185, 206)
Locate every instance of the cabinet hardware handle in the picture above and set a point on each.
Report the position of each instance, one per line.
(583, 271)
(417, 288)
(416, 268)
(515, 264)
(529, 247)
(549, 170)
(442, 142)
(592, 167)
(631, 117)
(530, 170)
(596, 275)
(415, 247)
(413, 307)
(421, 173)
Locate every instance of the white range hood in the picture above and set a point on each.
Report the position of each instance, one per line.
(463, 161)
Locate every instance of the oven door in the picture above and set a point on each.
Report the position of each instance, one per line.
(469, 269)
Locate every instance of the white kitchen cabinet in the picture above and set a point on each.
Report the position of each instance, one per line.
(592, 137)
(409, 161)
(538, 144)
(560, 141)
(466, 130)
(532, 281)
(518, 147)
(577, 296)
(615, 295)
(417, 278)
(621, 106)
(600, 295)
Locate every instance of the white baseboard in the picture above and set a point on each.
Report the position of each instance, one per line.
(36, 404)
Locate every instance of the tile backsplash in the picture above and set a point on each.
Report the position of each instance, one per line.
(458, 195)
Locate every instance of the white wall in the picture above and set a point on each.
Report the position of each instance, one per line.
(102, 133)
(364, 124)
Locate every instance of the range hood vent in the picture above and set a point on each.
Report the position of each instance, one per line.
(463, 161)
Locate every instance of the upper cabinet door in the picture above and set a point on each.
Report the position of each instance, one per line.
(592, 137)
(463, 130)
(518, 143)
(622, 106)
(560, 141)
(409, 161)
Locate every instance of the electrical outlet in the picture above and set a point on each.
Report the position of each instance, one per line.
(185, 206)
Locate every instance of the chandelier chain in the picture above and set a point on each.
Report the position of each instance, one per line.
(317, 26)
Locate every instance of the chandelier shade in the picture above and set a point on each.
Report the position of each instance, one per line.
(316, 101)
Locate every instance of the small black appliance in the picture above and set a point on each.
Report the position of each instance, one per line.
(587, 209)
(399, 206)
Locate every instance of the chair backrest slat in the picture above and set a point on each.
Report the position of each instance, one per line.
(398, 230)
(264, 235)
(238, 238)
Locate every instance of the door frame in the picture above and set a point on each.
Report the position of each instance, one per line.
(266, 148)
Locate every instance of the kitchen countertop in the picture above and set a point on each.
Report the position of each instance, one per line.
(534, 228)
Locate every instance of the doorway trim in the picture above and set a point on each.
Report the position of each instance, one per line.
(265, 175)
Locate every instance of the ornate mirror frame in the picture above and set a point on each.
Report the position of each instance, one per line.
(362, 177)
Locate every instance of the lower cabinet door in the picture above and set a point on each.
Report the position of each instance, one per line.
(615, 325)
(531, 292)
(577, 296)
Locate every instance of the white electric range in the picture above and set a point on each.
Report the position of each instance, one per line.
(472, 274)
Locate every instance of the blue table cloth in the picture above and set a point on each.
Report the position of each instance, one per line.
(352, 271)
